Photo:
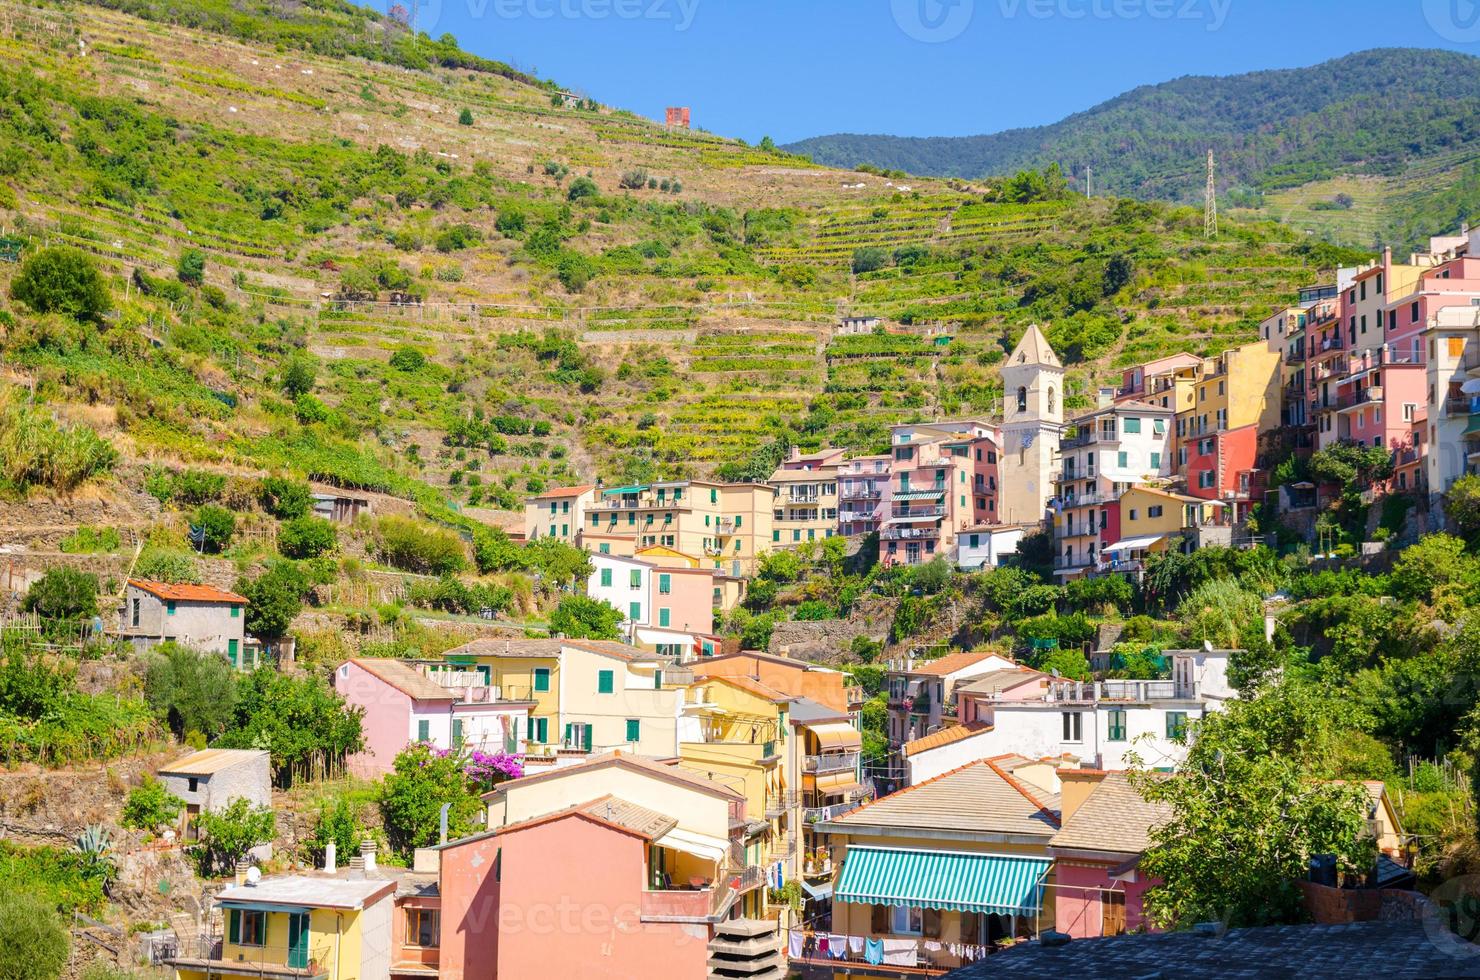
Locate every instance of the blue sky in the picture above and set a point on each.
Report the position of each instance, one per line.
(797, 68)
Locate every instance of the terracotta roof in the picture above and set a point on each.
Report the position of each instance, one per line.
(404, 678)
(1112, 818)
(977, 798)
(946, 736)
(953, 662)
(172, 592)
(626, 760)
(638, 819)
(1394, 950)
(751, 685)
(1000, 680)
(563, 491)
(209, 761)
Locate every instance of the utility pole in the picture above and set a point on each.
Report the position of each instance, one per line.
(1210, 205)
(1089, 181)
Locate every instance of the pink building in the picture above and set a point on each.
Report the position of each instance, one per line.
(942, 479)
(1220, 466)
(532, 899)
(863, 494)
(447, 706)
(1106, 825)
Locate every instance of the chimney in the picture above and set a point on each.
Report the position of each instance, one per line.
(367, 851)
(357, 868)
(1075, 785)
(242, 865)
(331, 864)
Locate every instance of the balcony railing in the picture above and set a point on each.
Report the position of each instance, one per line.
(1137, 690)
(830, 762)
(782, 802)
(918, 512)
(1363, 396)
(855, 516)
(205, 954)
(822, 814)
(908, 533)
(1459, 406)
(854, 694)
(861, 494)
(1073, 561)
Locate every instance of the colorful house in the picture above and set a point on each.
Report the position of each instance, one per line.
(558, 513)
(1237, 396)
(446, 707)
(943, 477)
(198, 616)
(728, 523)
(666, 609)
(1099, 889)
(863, 494)
(807, 497)
(922, 693)
(296, 926)
(210, 780)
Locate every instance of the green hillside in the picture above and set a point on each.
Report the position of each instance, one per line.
(495, 288)
(1398, 115)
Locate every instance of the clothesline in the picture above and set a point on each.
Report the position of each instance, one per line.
(814, 946)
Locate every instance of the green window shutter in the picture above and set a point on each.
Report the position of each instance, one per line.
(775, 535)
(713, 495)
(606, 576)
(542, 678)
(605, 682)
(1132, 426)
(457, 731)
(738, 519)
(423, 730)
(169, 608)
(542, 729)
(634, 730)
(236, 612)
(233, 651)
(657, 680)
(635, 579)
(663, 617)
(605, 549)
(1123, 459)
(665, 584)
(634, 611)
(234, 925)
(1156, 461)
(566, 740)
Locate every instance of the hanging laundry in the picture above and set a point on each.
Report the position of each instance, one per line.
(794, 942)
(873, 951)
(901, 952)
(855, 945)
(837, 944)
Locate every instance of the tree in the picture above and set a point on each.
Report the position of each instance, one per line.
(1217, 612)
(1247, 809)
(34, 944)
(561, 564)
(299, 719)
(1070, 663)
(306, 537)
(62, 280)
(338, 823)
(582, 618)
(1434, 563)
(63, 593)
(215, 525)
(229, 835)
(465, 118)
(285, 499)
(412, 796)
(412, 547)
(191, 691)
(408, 359)
(575, 271)
(582, 187)
(494, 551)
(298, 375)
(191, 267)
(274, 598)
(869, 258)
(150, 806)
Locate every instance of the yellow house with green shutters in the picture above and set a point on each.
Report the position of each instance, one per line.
(294, 926)
(589, 696)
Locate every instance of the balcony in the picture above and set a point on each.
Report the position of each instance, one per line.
(1133, 690)
(855, 694)
(726, 525)
(1459, 406)
(861, 493)
(1295, 356)
(856, 516)
(668, 905)
(204, 955)
(1080, 439)
(1089, 500)
(830, 762)
(470, 687)
(1071, 562)
(822, 814)
(1363, 396)
(918, 513)
(908, 533)
(781, 802)
(1330, 369)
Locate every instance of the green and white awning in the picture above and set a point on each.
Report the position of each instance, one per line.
(954, 881)
(919, 495)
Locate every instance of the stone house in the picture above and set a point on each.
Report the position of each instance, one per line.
(199, 616)
(211, 779)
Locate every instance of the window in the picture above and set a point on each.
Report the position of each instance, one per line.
(713, 495)
(634, 611)
(605, 682)
(1159, 426)
(247, 927)
(1022, 399)
(457, 732)
(665, 584)
(233, 650)
(423, 730)
(541, 729)
(1156, 461)
(1072, 726)
(605, 549)
(634, 579)
(193, 784)
(421, 927)
(606, 576)
(1154, 511)
(135, 617)
(1132, 426)
(542, 678)
(663, 617)
(1122, 459)
(169, 607)
(906, 921)
(634, 730)
(1116, 725)
(1176, 724)
(236, 612)
(1133, 514)
(776, 536)
(1413, 313)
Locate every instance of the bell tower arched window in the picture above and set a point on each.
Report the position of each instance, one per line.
(1022, 399)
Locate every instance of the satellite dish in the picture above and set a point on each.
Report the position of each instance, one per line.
(1208, 645)
(254, 875)
(1054, 671)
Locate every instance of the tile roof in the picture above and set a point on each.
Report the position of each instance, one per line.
(749, 684)
(404, 678)
(953, 662)
(1393, 950)
(173, 592)
(946, 736)
(1000, 680)
(563, 492)
(209, 761)
(977, 798)
(1112, 818)
(805, 711)
(638, 819)
(316, 891)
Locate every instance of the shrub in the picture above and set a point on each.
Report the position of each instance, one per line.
(34, 944)
(274, 598)
(191, 267)
(229, 835)
(582, 187)
(62, 280)
(575, 272)
(450, 594)
(408, 359)
(285, 499)
(63, 593)
(869, 259)
(634, 180)
(191, 487)
(306, 537)
(301, 720)
(412, 547)
(465, 118)
(581, 617)
(150, 806)
(455, 238)
(213, 527)
(167, 565)
(91, 540)
(413, 795)
(510, 222)
(36, 452)
(297, 375)
(338, 823)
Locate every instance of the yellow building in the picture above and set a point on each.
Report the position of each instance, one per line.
(1152, 520)
(588, 695)
(296, 926)
(728, 524)
(938, 872)
(1236, 388)
(806, 498)
(558, 513)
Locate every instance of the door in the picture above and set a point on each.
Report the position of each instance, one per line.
(1112, 908)
(298, 940)
(233, 651)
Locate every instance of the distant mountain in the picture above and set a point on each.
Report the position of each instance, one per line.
(1374, 113)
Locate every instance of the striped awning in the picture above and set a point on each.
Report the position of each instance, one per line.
(918, 495)
(954, 881)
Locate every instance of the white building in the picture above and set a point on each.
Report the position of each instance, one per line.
(986, 545)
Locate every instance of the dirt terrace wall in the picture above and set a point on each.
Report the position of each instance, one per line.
(831, 640)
